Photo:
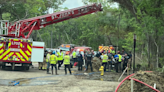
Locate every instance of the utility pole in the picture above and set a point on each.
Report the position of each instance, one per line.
(134, 38)
(51, 39)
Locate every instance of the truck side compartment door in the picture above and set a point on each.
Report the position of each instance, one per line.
(37, 51)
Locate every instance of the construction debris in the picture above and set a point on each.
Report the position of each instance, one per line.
(149, 78)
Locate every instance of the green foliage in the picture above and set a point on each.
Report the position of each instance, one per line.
(113, 26)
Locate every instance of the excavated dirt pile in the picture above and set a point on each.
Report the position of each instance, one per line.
(96, 64)
(149, 78)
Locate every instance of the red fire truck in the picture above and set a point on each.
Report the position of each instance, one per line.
(18, 48)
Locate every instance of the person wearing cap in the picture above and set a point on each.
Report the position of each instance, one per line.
(80, 61)
(60, 59)
(53, 61)
(105, 60)
(67, 62)
(48, 61)
(89, 58)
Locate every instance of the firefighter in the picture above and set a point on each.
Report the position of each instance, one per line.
(110, 57)
(105, 60)
(60, 59)
(53, 61)
(74, 57)
(119, 60)
(67, 62)
(80, 61)
(44, 62)
(89, 59)
(48, 61)
(40, 64)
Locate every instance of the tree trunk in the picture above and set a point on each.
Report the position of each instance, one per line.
(148, 50)
(157, 52)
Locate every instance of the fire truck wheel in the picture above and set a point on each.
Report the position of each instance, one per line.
(27, 68)
(3, 66)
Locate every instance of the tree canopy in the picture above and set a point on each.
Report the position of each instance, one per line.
(113, 26)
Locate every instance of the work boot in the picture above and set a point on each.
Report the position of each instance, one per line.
(48, 71)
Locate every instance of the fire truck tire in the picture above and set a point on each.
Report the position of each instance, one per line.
(3, 65)
(27, 68)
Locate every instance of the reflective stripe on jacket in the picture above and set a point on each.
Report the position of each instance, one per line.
(53, 59)
(66, 60)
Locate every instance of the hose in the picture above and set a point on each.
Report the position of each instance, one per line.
(123, 81)
(145, 84)
(126, 79)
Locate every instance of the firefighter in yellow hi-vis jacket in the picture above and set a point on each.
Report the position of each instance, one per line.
(53, 61)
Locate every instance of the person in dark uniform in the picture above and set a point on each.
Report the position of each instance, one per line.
(125, 62)
(89, 58)
(80, 61)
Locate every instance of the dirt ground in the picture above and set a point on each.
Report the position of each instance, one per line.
(150, 78)
(64, 83)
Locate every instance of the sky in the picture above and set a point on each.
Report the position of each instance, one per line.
(74, 4)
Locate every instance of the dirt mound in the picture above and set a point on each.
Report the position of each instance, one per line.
(149, 78)
(96, 64)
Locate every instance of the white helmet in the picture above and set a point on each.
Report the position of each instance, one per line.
(49, 50)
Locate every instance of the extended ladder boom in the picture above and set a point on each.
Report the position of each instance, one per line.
(28, 25)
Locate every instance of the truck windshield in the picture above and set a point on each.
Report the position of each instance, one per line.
(65, 49)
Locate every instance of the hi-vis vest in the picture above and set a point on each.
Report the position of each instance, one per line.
(120, 57)
(74, 54)
(105, 58)
(113, 52)
(48, 55)
(60, 56)
(53, 59)
(66, 60)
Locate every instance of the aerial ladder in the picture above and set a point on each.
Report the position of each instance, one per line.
(18, 48)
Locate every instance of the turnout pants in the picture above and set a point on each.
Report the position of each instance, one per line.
(53, 65)
(80, 68)
(40, 65)
(89, 63)
(67, 66)
(105, 65)
(44, 64)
